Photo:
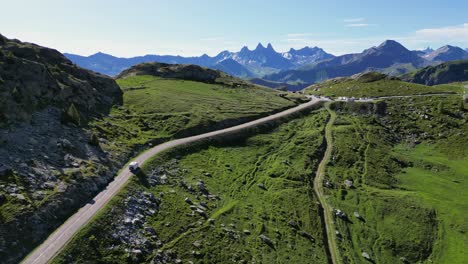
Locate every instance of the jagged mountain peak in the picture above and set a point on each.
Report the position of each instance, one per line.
(244, 49)
(101, 55)
(447, 53)
(428, 50)
(448, 47)
(306, 51)
(391, 45)
(259, 46)
(270, 47)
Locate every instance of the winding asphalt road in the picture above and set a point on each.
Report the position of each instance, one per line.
(57, 240)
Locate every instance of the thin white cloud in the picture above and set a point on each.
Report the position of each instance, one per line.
(357, 25)
(434, 37)
(212, 39)
(296, 40)
(293, 35)
(354, 20)
(459, 32)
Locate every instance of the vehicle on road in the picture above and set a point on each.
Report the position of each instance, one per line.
(134, 166)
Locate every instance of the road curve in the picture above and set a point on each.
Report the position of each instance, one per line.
(57, 240)
(318, 188)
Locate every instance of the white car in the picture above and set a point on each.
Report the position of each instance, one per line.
(133, 166)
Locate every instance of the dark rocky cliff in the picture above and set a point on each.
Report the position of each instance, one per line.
(34, 77)
(50, 162)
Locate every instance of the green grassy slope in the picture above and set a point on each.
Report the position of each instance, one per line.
(408, 169)
(156, 109)
(264, 188)
(367, 87)
(406, 157)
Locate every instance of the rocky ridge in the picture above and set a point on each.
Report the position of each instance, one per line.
(34, 77)
(173, 71)
(51, 164)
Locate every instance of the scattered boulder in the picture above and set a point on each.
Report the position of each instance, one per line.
(340, 214)
(197, 244)
(267, 240)
(293, 224)
(307, 235)
(20, 197)
(348, 183)
(366, 255)
(201, 186)
(187, 200)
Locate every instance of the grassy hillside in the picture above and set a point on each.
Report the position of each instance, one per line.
(250, 201)
(156, 109)
(408, 169)
(374, 85)
(449, 72)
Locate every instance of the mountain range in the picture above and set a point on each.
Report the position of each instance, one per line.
(245, 63)
(296, 66)
(390, 57)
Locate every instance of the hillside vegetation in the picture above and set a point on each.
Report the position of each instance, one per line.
(246, 200)
(156, 109)
(375, 84)
(397, 174)
(449, 72)
(406, 169)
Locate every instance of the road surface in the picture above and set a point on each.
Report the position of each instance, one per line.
(57, 240)
(318, 188)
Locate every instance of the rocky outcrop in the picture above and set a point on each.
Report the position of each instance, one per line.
(174, 71)
(368, 77)
(378, 108)
(51, 164)
(34, 77)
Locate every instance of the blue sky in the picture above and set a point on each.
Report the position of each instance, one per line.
(193, 27)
